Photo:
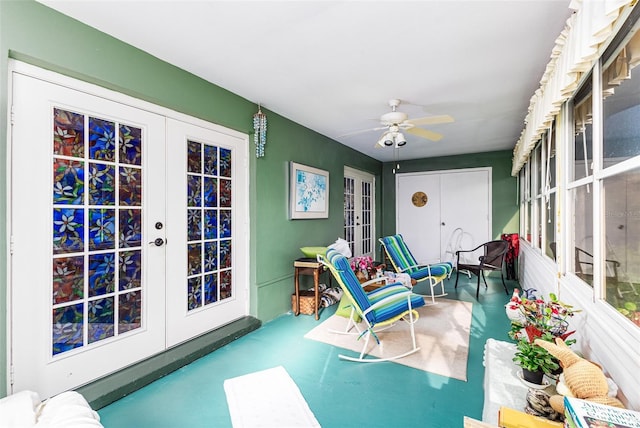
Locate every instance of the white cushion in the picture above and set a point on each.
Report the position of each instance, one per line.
(19, 410)
(67, 410)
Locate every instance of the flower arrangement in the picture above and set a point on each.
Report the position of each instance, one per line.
(362, 264)
(532, 317)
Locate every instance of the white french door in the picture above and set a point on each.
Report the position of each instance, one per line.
(207, 243)
(106, 214)
(430, 206)
(359, 210)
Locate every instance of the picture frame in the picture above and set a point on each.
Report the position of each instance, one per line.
(308, 192)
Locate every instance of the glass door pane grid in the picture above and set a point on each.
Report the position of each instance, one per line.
(349, 212)
(367, 244)
(97, 212)
(209, 227)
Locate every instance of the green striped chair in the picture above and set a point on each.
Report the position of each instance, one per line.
(403, 262)
(379, 309)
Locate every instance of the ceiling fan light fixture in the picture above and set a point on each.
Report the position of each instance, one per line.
(400, 140)
(387, 139)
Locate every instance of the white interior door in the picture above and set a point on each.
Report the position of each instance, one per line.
(418, 215)
(466, 206)
(128, 228)
(207, 278)
(456, 199)
(85, 188)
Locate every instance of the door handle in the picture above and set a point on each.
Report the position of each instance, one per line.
(443, 223)
(157, 242)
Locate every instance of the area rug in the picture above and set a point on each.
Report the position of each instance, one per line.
(442, 333)
(267, 399)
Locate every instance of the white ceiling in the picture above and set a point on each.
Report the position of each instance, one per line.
(332, 66)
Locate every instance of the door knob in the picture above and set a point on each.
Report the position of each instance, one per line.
(158, 242)
(443, 223)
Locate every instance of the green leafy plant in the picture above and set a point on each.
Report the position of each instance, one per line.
(534, 358)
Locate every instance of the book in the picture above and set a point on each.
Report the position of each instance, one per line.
(585, 414)
(511, 418)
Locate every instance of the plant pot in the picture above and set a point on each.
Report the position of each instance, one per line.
(533, 377)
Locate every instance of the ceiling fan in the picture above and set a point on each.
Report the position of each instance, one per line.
(396, 122)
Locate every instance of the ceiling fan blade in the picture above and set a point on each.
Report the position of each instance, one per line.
(362, 131)
(424, 133)
(431, 120)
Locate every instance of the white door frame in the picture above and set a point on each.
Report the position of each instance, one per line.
(363, 176)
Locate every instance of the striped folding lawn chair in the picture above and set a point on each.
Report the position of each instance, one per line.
(379, 309)
(403, 262)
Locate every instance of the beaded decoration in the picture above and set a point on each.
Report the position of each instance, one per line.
(260, 132)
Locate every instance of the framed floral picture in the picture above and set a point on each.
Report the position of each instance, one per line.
(308, 192)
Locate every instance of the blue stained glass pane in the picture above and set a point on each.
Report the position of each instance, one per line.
(210, 288)
(68, 182)
(100, 319)
(225, 223)
(210, 160)
(102, 190)
(210, 192)
(194, 191)
(210, 224)
(194, 259)
(67, 328)
(210, 256)
(102, 144)
(130, 145)
(194, 225)
(130, 228)
(102, 225)
(225, 162)
(194, 293)
(68, 230)
(101, 274)
(130, 266)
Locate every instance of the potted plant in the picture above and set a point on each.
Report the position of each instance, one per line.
(533, 317)
(534, 360)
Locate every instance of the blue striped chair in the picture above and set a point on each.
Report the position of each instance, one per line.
(379, 309)
(403, 262)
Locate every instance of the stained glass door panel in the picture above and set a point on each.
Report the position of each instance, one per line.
(97, 217)
(85, 188)
(208, 246)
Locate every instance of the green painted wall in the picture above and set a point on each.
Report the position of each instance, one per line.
(36, 34)
(505, 214)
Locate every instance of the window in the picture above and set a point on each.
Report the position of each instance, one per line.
(600, 182)
(581, 187)
(620, 259)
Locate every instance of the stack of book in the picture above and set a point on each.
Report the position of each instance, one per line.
(585, 414)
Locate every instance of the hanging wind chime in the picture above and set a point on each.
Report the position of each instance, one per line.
(260, 132)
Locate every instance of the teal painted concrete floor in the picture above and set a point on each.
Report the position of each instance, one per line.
(340, 393)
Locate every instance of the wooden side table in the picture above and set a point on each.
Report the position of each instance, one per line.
(308, 266)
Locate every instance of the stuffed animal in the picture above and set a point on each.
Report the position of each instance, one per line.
(583, 379)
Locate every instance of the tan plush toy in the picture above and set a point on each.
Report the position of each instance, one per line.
(583, 378)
